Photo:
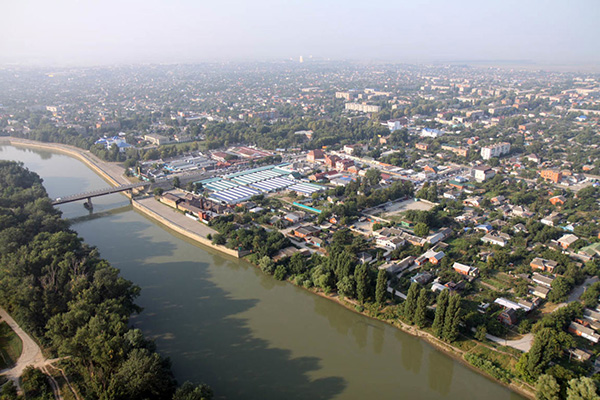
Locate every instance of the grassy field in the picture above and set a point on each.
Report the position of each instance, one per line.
(10, 346)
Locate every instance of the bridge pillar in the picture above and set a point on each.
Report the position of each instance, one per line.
(88, 204)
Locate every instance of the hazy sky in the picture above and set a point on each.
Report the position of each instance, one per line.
(172, 31)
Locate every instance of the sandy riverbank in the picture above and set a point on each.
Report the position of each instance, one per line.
(168, 217)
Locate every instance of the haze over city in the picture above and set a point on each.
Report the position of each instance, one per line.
(72, 32)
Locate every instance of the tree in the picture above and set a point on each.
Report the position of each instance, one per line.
(547, 346)
(176, 182)
(362, 283)
(267, 265)
(381, 287)
(158, 191)
(421, 229)
(452, 318)
(421, 311)
(345, 286)
(582, 388)
(547, 388)
(373, 176)
(189, 391)
(481, 333)
(440, 313)
(411, 302)
(280, 272)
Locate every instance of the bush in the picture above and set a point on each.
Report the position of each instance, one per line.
(489, 367)
(280, 273)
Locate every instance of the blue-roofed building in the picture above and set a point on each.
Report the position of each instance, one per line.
(120, 142)
(485, 228)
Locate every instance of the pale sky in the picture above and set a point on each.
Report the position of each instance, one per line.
(175, 31)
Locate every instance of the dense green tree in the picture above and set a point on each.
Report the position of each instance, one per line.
(189, 391)
(421, 229)
(363, 284)
(410, 304)
(347, 287)
(420, 316)
(452, 318)
(440, 313)
(381, 287)
(582, 388)
(547, 388)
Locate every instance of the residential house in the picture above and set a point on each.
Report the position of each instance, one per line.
(391, 243)
(432, 256)
(587, 333)
(422, 278)
(591, 251)
(567, 240)
(543, 264)
(539, 291)
(364, 257)
(542, 280)
(508, 316)
(306, 231)
(551, 220)
(501, 239)
(465, 269)
(558, 200)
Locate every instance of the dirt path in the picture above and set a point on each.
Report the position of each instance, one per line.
(31, 354)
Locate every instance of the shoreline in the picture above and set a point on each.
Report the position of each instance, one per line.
(92, 161)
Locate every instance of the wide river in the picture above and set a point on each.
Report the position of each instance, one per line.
(223, 322)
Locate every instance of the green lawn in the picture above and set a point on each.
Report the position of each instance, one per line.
(10, 346)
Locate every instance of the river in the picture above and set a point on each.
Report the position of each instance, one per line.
(223, 322)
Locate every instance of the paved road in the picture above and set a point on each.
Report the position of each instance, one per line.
(578, 291)
(523, 344)
(31, 355)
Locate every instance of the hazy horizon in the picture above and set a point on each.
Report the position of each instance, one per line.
(78, 32)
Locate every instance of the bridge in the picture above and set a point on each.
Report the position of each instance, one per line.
(96, 193)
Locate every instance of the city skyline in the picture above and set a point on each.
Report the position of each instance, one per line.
(71, 32)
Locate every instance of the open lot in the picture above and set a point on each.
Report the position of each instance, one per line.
(390, 211)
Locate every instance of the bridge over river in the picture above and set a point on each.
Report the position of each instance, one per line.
(96, 193)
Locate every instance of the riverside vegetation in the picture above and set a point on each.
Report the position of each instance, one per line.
(74, 303)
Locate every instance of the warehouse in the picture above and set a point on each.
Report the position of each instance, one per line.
(234, 195)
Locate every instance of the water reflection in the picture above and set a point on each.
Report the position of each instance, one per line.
(441, 371)
(378, 339)
(412, 352)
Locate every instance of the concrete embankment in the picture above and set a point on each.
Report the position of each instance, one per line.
(179, 223)
(111, 172)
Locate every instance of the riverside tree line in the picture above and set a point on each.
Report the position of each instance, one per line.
(74, 303)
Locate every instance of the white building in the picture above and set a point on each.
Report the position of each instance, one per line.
(367, 108)
(433, 133)
(495, 150)
(483, 173)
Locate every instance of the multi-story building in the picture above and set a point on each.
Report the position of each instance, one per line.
(551, 175)
(495, 150)
(482, 173)
(362, 107)
(460, 151)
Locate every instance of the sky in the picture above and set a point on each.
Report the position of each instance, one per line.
(96, 32)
